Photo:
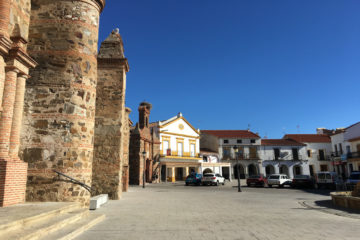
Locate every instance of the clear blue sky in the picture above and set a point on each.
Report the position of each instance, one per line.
(281, 66)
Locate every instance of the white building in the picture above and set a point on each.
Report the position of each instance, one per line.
(285, 156)
(346, 149)
(180, 150)
(318, 150)
(224, 141)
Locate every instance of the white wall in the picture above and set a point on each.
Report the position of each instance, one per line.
(313, 160)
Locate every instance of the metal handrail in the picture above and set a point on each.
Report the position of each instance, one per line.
(73, 180)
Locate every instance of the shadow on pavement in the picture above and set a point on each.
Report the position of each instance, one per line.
(328, 204)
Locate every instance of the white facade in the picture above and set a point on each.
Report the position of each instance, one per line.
(286, 163)
(247, 150)
(319, 156)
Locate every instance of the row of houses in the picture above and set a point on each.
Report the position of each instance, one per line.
(176, 149)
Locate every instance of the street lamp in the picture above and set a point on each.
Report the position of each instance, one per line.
(237, 166)
(144, 156)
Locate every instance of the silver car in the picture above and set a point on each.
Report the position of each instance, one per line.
(212, 179)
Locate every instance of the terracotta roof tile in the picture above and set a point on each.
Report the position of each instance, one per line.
(231, 133)
(310, 138)
(354, 139)
(280, 142)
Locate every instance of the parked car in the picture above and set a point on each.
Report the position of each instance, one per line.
(328, 180)
(193, 178)
(256, 180)
(279, 180)
(303, 181)
(353, 179)
(212, 179)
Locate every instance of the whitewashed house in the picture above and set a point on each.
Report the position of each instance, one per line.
(318, 150)
(245, 142)
(284, 156)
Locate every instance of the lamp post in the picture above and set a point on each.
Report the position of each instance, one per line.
(237, 166)
(144, 156)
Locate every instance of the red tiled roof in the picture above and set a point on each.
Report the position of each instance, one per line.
(280, 142)
(352, 125)
(354, 139)
(231, 133)
(310, 138)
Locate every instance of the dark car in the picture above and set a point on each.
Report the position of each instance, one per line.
(303, 181)
(193, 178)
(256, 180)
(353, 179)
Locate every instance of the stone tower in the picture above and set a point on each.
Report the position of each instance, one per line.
(58, 132)
(14, 68)
(111, 138)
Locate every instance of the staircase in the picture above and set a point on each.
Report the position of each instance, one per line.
(32, 221)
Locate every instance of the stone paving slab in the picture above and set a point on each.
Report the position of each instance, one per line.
(174, 211)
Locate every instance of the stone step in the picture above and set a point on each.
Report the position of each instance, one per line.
(73, 230)
(45, 227)
(24, 215)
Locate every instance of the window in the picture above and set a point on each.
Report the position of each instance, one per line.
(295, 153)
(239, 141)
(226, 152)
(180, 149)
(340, 148)
(309, 153)
(323, 168)
(166, 147)
(192, 150)
(321, 154)
(252, 141)
(336, 150)
(276, 153)
(226, 141)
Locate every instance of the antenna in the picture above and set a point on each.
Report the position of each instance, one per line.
(298, 128)
(248, 127)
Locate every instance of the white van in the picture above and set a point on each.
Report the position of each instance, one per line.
(328, 179)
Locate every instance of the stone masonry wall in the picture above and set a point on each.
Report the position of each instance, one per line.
(111, 118)
(126, 142)
(58, 132)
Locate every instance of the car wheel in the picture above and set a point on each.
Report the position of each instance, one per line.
(281, 185)
(270, 186)
(187, 184)
(223, 183)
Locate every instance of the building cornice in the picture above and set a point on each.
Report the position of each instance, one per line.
(5, 44)
(99, 4)
(113, 63)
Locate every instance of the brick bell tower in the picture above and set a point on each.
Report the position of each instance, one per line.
(59, 113)
(144, 114)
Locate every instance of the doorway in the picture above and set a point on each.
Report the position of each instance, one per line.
(163, 173)
(179, 174)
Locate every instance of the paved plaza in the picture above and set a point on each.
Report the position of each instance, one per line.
(174, 211)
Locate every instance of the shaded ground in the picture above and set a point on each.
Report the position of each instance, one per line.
(174, 211)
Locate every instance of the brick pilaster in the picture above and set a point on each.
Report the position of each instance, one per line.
(8, 110)
(17, 116)
(2, 79)
(4, 16)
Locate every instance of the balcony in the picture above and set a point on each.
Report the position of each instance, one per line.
(170, 153)
(288, 157)
(324, 158)
(351, 155)
(243, 156)
(345, 156)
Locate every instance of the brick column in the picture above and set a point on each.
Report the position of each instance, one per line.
(17, 116)
(8, 110)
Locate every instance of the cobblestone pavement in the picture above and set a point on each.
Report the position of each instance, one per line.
(174, 211)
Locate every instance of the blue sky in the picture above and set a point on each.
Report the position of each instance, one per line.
(281, 66)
